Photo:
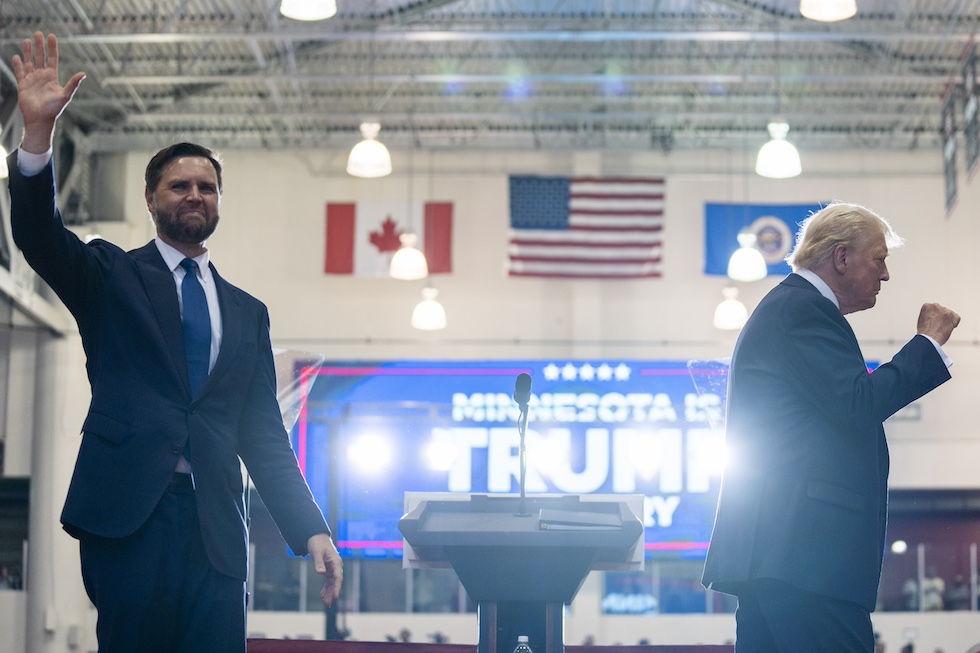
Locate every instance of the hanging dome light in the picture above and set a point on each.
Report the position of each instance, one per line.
(730, 314)
(828, 11)
(778, 159)
(429, 315)
(308, 9)
(747, 262)
(369, 158)
(409, 262)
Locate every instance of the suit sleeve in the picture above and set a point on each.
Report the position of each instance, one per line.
(269, 457)
(72, 268)
(820, 363)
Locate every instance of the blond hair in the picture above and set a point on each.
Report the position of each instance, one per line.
(838, 223)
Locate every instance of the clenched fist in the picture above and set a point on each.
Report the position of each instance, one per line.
(937, 321)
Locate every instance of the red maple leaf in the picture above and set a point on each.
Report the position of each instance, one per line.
(387, 240)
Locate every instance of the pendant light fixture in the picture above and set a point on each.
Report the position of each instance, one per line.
(828, 11)
(308, 10)
(429, 315)
(408, 262)
(730, 315)
(369, 158)
(778, 158)
(747, 262)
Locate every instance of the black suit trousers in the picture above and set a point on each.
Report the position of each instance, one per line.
(156, 590)
(775, 617)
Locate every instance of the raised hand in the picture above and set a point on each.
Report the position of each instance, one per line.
(937, 321)
(40, 96)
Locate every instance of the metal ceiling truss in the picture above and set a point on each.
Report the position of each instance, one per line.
(501, 74)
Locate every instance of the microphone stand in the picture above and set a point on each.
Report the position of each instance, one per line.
(522, 455)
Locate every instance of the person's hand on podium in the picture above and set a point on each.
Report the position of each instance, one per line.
(327, 561)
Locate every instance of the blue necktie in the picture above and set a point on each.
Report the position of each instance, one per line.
(197, 327)
(196, 321)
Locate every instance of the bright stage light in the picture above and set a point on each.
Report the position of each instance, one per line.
(370, 453)
(711, 458)
(899, 547)
(647, 454)
(441, 453)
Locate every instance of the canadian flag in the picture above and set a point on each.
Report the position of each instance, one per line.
(362, 237)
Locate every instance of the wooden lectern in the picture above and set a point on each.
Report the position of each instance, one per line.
(521, 560)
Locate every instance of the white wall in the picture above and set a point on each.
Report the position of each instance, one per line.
(271, 243)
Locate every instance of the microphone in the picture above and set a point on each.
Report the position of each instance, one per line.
(522, 390)
(522, 395)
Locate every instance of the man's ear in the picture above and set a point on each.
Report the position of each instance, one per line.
(840, 258)
(149, 200)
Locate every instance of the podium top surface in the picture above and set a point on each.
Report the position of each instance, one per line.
(499, 521)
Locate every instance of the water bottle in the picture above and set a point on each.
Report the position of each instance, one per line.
(522, 645)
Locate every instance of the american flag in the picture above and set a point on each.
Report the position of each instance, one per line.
(585, 227)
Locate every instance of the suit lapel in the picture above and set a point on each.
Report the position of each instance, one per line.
(158, 281)
(232, 315)
(161, 290)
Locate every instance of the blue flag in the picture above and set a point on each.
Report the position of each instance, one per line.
(774, 225)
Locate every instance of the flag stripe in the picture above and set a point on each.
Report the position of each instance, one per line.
(340, 239)
(584, 237)
(579, 239)
(616, 205)
(571, 259)
(584, 253)
(585, 227)
(580, 271)
(439, 237)
(606, 222)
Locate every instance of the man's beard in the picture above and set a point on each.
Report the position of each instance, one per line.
(189, 233)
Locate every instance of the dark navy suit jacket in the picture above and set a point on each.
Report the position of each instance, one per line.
(141, 413)
(803, 496)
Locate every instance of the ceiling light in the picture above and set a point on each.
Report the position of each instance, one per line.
(747, 262)
(308, 9)
(828, 11)
(409, 262)
(730, 314)
(429, 315)
(369, 158)
(778, 159)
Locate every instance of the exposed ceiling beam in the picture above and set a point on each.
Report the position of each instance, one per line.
(563, 36)
(428, 78)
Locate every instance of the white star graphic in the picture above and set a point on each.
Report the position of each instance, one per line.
(551, 372)
(569, 372)
(586, 372)
(622, 372)
(604, 372)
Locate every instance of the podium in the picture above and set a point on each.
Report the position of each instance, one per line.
(521, 566)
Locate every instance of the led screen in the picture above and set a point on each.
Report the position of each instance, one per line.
(369, 432)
